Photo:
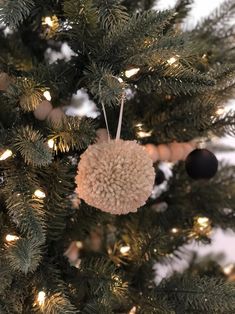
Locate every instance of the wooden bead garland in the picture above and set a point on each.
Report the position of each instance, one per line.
(172, 152)
(56, 117)
(43, 109)
(4, 81)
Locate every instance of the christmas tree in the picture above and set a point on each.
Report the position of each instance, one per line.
(80, 229)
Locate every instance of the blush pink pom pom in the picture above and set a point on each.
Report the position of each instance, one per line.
(116, 176)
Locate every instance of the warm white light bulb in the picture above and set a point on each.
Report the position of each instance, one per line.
(47, 95)
(10, 238)
(39, 194)
(133, 310)
(41, 298)
(174, 230)
(51, 143)
(48, 21)
(203, 221)
(228, 269)
(8, 153)
(125, 249)
(131, 72)
(139, 125)
(171, 60)
(143, 134)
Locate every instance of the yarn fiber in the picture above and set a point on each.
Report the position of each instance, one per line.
(115, 176)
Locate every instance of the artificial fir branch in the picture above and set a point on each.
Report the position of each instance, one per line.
(182, 80)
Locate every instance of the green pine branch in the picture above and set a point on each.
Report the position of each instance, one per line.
(13, 12)
(32, 147)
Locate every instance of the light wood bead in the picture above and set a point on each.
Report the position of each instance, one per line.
(56, 117)
(4, 81)
(164, 152)
(188, 148)
(152, 151)
(42, 110)
(177, 151)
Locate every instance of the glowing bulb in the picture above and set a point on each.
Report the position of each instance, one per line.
(203, 221)
(79, 244)
(133, 310)
(139, 125)
(39, 194)
(125, 249)
(47, 95)
(220, 111)
(174, 230)
(120, 80)
(48, 21)
(228, 269)
(8, 153)
(131, 72)
(10, 238)
(51, 143)
(171, 60)
(143, 134)
(41, 298)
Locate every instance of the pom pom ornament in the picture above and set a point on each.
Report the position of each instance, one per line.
(42, 110)
(201, 164)
(115, 176)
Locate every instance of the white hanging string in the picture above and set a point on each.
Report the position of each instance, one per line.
(104, 112)
(106, 120)
(118, 134)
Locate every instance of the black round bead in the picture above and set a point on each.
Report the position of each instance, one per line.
(201, 164)
(160, 177)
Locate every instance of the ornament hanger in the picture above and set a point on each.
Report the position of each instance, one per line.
(119, 127)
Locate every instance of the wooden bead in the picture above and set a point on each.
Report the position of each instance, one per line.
(188, 148)
(56, 117)
(4, 81)
(42, 110)
(164, 152)
(152, 151)
(101, 136)
(177, 151)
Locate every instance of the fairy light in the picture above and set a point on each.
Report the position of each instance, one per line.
(47, 95)
(201, 227)
(228, 269)
(203, 222)
(39, 194)
(41, 298)
(120, 80)
(174, 230)
(171, 61)
(11, 238)
(8, 153)
(143, 134)
(131, 72)
(125, 249)
(48, 21)
(51, 143)
(133, 310)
